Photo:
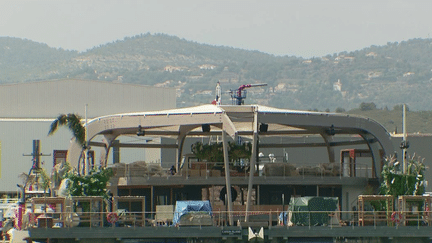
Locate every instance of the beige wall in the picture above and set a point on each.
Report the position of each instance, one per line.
(50, 98)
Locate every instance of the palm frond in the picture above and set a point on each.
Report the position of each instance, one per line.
(73, 122)
(59, 121)
(78, 130)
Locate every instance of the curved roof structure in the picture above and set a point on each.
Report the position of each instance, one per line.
(251, 121)
(234, 121)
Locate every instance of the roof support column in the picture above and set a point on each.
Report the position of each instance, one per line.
(109, 138)
(180, 143)
(183, 131)
(377, 154)
(74, 153)
(252, 163)
(330, 149)
(227, 177)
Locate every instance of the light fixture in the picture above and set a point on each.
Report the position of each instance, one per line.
(404, 144)
(205, 127)
(140, 131)
(263, 127)
(331, 131)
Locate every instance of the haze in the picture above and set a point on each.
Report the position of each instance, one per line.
(299, 28)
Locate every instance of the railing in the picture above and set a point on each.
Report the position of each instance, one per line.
(7, 201)
(222, 218)
(215, 169)
(207, 169)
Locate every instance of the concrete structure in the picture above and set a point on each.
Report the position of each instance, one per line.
(27, 110)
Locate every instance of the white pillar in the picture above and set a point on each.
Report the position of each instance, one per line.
(252, 163)
(227, 178)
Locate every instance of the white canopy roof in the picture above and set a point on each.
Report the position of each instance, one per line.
(235, 121)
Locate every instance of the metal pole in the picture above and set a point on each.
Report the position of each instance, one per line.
(252, 164)
(86, 155)
(227, 177)
(404, 139)
(283, 202)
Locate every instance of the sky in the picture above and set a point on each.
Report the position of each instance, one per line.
(302, 28)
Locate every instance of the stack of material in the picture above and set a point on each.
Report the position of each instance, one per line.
(119, 169)
(137, 168)
(309, 170)
(164, 215)
(165, 212)
(193, 213)
(331, 169)
(155, 169)
(308, 211)
(196, 219)
(280, 169)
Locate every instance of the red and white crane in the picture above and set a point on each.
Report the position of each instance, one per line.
(239, 94)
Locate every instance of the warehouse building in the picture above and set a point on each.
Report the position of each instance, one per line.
(28, 109)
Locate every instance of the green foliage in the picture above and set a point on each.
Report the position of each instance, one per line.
(392, 119)
(93, 184)
(214, 152)
(397, 183)
(340, 110)
(373, 73)
(364, 106)
(400, 108)
(73, 122)
(22, 59)
(207, 152)
(46, 180)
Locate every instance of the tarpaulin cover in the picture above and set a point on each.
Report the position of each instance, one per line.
(300, 205)
(184, 207)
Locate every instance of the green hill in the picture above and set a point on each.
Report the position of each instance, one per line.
(386, 75)
(23, 60)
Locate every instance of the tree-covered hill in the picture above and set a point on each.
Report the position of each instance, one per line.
(385, 75)
(391, 118)
(23, 60)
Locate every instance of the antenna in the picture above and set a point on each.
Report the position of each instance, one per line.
(404, 145)
(218, 98)
(36, 154)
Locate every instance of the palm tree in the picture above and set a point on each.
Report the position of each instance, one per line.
(73, 121)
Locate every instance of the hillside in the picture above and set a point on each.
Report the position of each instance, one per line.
(417, 121)
(25, 60)
(386, 75)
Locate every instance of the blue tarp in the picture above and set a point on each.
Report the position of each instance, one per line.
(184, 207)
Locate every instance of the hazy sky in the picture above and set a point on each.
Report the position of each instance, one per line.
(302, 28)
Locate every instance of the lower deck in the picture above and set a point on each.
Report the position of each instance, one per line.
(269, 192)
(235, 234)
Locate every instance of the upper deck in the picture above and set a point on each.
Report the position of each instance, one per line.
(265, 128)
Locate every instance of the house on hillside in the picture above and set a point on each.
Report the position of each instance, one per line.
(171, 69)
(371, 54)
(281, 87)
(207, 67)
(337, 86)
(407, 74)
(373, 74)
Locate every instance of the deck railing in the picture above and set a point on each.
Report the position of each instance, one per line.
(214, 169)
(221, 219)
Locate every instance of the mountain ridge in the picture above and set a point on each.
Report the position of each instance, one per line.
(387, 75)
